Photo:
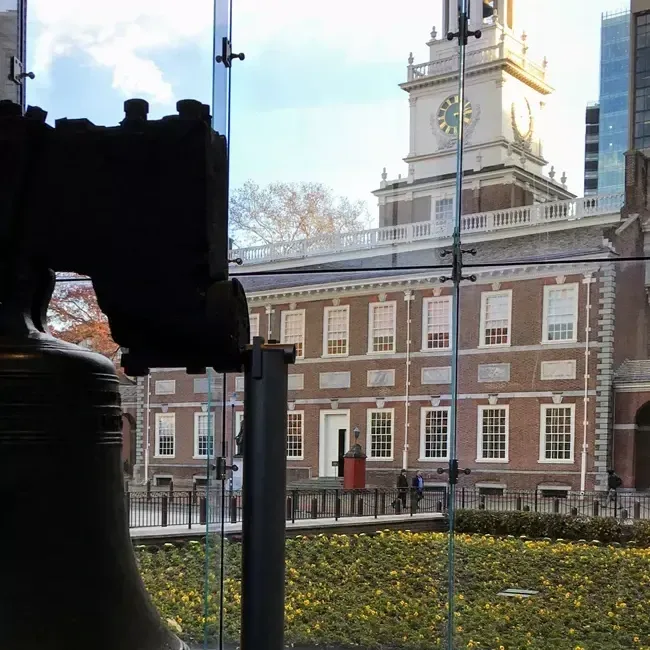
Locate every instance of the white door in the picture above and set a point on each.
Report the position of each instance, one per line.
(329, 440)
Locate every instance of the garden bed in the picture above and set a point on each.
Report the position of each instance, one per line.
(390, 590)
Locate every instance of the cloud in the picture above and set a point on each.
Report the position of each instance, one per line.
(121, 35)
(124, 35)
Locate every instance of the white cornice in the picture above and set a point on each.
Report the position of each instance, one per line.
(422, 281)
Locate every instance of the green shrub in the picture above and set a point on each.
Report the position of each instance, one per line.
(538, 525)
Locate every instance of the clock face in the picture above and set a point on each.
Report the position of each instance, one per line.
(522, 118)
(449, 115)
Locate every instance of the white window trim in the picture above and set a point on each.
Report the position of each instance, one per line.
(164, 381)
(542, 417)
(371, 311)
(484, 297)
(255, 329)
(158, 418)
(543, 487)
(283, 321)
(547, 290)
(197, 416)
(156, 477)
(479, 434)
(487, 484)
(423, 415)
(425, 309)
(302, 435)
(384, 459)
(326, 312)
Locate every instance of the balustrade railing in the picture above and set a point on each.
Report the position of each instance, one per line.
(482, 222)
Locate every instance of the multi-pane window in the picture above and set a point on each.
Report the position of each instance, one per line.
(381, 333)
(380, 434)
(434, 433)
(203, 435)
(337, 326)
(295, 437)
(493, 433)
(165, 387)
(165, 434)
(560, 312)
(293, 330)
(255, 325)
(436, 323)
(495, 317)
(557, 427)
(443, 214)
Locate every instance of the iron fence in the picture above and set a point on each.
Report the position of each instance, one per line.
(211, 507)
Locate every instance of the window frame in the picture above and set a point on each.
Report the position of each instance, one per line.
(164, 381)
(255, 331)
(548, 289)
(379, 459)
(326, 312)
(158, 417)
(484, 298)
(479, 434)
(425, 313)
(302, 435)
(423, 418)
(197, 417)
(283, 323)
(542, 434)
(371, 318)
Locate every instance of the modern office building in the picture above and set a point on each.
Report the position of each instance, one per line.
(592, 126)
(639, 87)
(613, 101)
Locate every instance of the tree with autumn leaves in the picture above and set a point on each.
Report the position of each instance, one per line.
(74, 316)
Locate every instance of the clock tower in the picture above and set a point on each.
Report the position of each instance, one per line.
(504, 113)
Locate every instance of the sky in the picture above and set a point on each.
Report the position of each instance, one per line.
(317, 97)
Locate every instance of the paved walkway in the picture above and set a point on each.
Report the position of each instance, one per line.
(302, 524)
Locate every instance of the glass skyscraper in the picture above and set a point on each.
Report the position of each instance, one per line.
(614, 88)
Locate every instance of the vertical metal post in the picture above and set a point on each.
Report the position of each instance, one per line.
(264, 492)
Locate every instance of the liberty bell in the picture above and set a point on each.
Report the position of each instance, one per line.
(159, 269)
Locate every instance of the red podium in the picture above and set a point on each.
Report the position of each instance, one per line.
(354, 469)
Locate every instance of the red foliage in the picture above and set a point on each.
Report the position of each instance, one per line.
(74, 316)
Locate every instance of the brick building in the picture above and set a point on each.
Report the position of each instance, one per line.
(553, 371)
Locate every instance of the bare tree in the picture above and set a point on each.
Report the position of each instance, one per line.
(290, 211)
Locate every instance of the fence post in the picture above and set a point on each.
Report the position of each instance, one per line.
(637, 510)
(233, 510)
(414, 501)
(536, 497)
(203, 508)
(337, 506)
(376, 502)
(289, 507)
(595, 508)
(383, 503)
(324, 502)
(149, 490)
(194, 493)
(314, 508)
(163, 512)
(171, 491)
(293, 507)
(360, 506)
(462, 498)
(518, 506)
(190, 503)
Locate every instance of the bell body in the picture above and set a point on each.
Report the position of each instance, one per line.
(69, 579)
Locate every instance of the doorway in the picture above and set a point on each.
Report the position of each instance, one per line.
(333, 442)
(642, 448)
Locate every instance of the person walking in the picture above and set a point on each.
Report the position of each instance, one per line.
(613, 483)
(418, 488)
(402, 489)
